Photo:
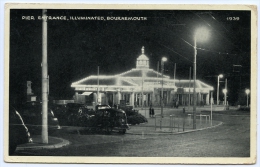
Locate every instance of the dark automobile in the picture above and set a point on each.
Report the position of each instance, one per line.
(102, 107)
(32, 115)
(71, 113)
(18, 132)
(109, 119)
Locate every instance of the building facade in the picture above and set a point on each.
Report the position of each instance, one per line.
(140, 86)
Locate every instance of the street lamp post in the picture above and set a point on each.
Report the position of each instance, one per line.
(247, 92)
(97, 86)
(44, 79)
(200, 35)
(225, 96)
(164, 59)
(219, 76)
(226, 93)
(194, 83)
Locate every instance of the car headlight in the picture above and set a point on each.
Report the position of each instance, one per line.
(30, 140)
(52, 113)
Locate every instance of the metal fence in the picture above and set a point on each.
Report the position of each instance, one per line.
(180, 123)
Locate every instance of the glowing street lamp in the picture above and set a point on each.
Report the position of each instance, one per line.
(219, 76)
(200, 35)
(225, 93)
(247, 92)
(164, 59)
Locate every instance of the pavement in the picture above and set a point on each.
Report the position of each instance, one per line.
(155, 125)
(53, 142)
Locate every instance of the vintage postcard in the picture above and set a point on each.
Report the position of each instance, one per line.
(130, 84)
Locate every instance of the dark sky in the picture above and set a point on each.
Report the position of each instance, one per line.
(76, 48)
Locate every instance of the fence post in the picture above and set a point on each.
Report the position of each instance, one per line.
(178, 124)
(172, 118)
(174, 123)
(189, 118)
(183, 120)
(170, 126)
(155, 122)
(200, 120)
(161, 123)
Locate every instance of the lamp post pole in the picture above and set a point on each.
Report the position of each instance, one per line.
(194, 84)
(219, 76)
(44, 79)
(226, 93)
(143, 90)
(189, 88)
(162, 90)
(225, 96)
(98, 85)
(247, 100)
(247, 92)
(162, 66)
(200, 35)
(218, 91)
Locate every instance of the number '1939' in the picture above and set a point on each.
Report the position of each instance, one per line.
(233, 18)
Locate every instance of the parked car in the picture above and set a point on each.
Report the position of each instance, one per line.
(133, 116)
(73, 112)
(32, 114)
(102, 107)
(60, 112)
(75, 108)
(18, 132)
(109, 119)
(70, 114)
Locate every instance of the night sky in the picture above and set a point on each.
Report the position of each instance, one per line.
(76, 48)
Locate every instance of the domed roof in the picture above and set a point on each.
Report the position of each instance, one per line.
(142, 56)
(142, 61)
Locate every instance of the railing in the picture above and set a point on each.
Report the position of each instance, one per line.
(169, 123)
(201, 116)
(178, 123)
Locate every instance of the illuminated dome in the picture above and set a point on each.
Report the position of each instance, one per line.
(142, 61)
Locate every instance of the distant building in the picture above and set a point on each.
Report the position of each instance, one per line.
(129, 87)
